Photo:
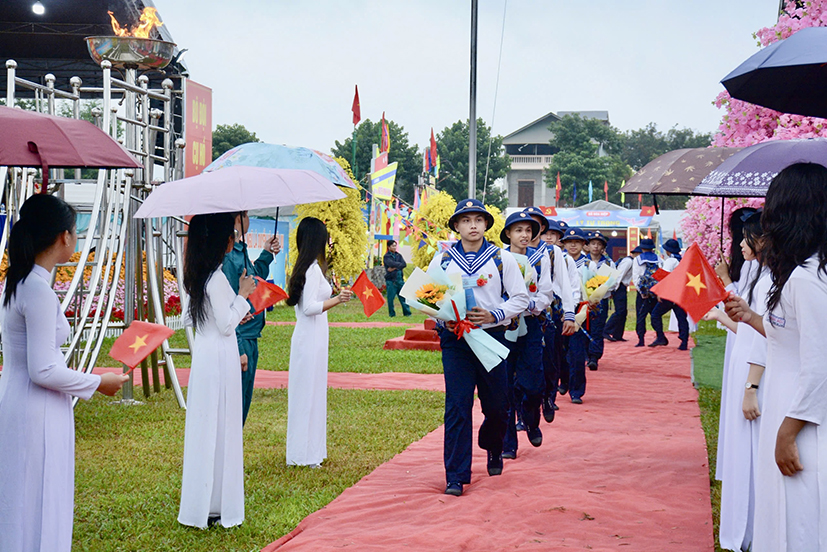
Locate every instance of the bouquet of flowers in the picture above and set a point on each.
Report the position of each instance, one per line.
(442, 296)
(594, 287)
(431, 294)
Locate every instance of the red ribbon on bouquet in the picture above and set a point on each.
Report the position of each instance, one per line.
(579, 306)
(463, 326)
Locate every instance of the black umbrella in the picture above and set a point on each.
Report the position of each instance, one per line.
(788, 76)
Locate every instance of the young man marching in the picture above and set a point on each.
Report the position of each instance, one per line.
(492, 274)
(525, 362)
(575, 240)
(249, 329)
(562, 318)
(646, 264)
(596, 250)
(617, 322)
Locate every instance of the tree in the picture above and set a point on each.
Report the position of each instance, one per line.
(644, 145)
(346, 227)
(226, 137)
(579, 143)
(452, 146)
(407, 155)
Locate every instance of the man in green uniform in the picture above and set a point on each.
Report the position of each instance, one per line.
(249, 330)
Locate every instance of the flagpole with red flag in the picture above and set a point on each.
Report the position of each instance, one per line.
(606, 189)
(559, 187)
(356, 108)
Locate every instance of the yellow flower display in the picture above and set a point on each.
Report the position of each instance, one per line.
(595, 282)
(430, 294)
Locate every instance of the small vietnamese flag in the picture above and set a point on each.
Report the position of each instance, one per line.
(693, 285)
(138, 341)
(368, 294)
(647, 211)
(660, 274)
(356, 107)
(266, 295)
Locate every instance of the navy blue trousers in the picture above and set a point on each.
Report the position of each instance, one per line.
(643, 308)
(597, 324)
(554, 356)
(526, 381)
(464, 373)
(578, 350)
(617, 321)
(662, 308)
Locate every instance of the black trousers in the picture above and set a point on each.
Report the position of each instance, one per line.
(617, 322)
(643, 307)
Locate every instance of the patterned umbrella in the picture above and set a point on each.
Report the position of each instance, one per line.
(677, 172)
(272, 156)
(749, 172)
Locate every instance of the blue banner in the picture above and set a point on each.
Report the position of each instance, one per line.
(257, 235)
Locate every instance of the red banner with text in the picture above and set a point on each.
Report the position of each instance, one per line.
(198, 127)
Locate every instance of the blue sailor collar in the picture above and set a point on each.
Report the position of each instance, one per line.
(648, 257)
(534, 255)
(485, 252)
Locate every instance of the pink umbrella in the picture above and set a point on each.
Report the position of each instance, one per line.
(30, 139)
(237, 188)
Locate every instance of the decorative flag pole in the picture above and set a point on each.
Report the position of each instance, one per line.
(357, 116)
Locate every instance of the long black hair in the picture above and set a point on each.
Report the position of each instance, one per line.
(311, 240)
(736, 230)
(43, 218)
(794, 223)
(207, 241)
(753, 233)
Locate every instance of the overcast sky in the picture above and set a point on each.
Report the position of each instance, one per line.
(285, 69)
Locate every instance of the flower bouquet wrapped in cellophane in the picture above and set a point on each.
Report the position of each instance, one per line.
(595, 284)
(530, 279)
(442, 296)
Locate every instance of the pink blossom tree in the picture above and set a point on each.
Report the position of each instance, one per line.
(745, 124)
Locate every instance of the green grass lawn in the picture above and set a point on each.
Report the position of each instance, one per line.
(128, 467)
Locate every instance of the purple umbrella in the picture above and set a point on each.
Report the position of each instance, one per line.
(749, 172)
(30, 139)
(237, 188)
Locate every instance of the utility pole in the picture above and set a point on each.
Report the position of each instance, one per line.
(472, 119)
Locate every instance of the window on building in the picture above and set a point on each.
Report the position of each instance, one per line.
(525, 193)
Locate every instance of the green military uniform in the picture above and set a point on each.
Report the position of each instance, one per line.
(247, 334)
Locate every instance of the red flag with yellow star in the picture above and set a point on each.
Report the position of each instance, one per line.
(693, 285)
(368, 294)
(138, 341)
(266, 295)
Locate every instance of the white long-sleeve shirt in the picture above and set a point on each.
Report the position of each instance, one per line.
(542, 298)
(574, 278)
(489, 296)
(670, 264)
(639, 268)
(624, 266)
(561, 283)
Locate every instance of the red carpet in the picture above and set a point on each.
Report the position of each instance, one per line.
(626, 470)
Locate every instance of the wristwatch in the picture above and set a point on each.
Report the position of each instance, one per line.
(751, 385)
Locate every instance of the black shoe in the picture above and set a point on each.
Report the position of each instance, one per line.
(213, 520)
(555, 407)
(406, 314)
(535, 436)
(454, 488)
(659, 342)
(562, 390)
(640, 344)
(683, 346)
(548, 410)
(509, 454)
(577, 400)
(519, 426)
(609, 338)
(620, 339)
(592, 365)
(495, 463)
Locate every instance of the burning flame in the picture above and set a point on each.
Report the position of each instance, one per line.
(149, 19)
